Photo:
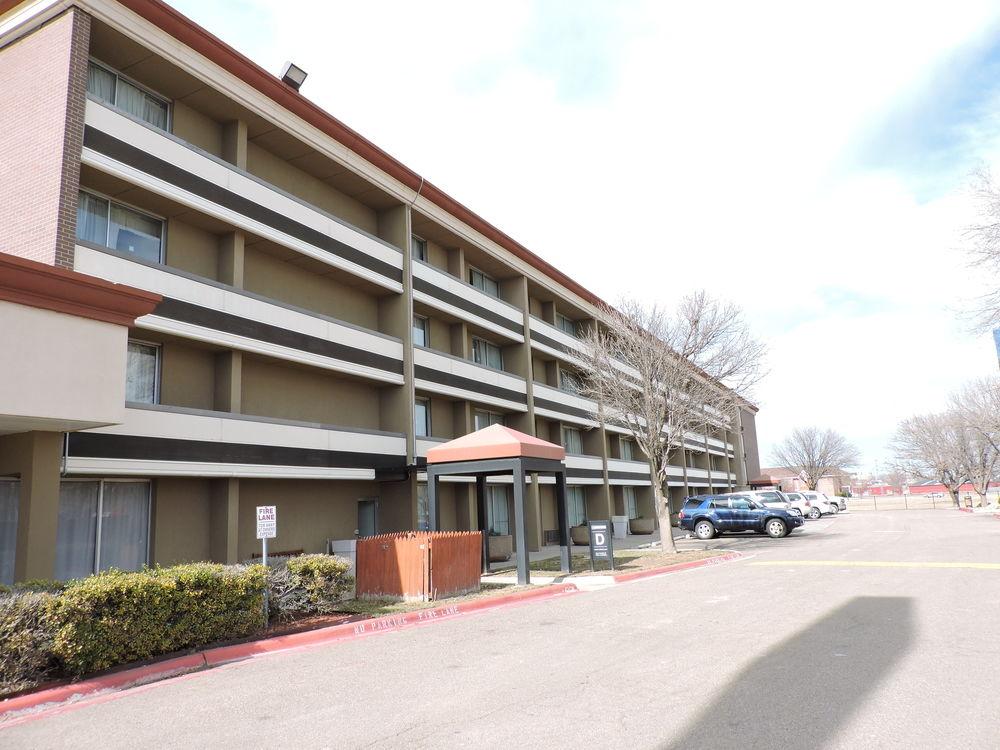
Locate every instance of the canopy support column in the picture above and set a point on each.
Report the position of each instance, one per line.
(561, 512)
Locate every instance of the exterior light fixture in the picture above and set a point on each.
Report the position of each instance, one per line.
(293, 75)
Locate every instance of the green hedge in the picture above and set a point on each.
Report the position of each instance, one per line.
(26, 635)
(115, 617)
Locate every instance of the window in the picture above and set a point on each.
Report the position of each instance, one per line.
(422, 417)
(423, 507)
(499, 514)
(110, 87)
(566, 325)
(119, 227)
(418, 248)
(9, 493)
(142, 369)
(568, 382)
(420, 337)
(484, 283)
(485, 353)
(576, 506)
(626, 450)
(572, 440)
(102, 524)
(690, 459)
(631, 502)
(486, 418)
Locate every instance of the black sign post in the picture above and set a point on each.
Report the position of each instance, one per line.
(601, 547)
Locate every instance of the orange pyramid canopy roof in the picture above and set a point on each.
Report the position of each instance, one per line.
(495, 441)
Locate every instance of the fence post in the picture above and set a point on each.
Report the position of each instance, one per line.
(906, 504)
(875, 500)
(933, 504)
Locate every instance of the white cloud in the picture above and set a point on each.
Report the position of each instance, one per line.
(719, 148)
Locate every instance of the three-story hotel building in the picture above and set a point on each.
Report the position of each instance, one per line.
(308, 317)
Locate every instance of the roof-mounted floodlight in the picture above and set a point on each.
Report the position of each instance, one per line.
(293, 75)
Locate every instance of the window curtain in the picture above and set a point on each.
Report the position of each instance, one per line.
(423, 507)
(135, 233)
(631, 506)
(577, 510)
(499, 512)
(92, 219)
(124, 525)
(76, 537)
(140, 374)
(131, 99)
(9, 492)
(101, 83)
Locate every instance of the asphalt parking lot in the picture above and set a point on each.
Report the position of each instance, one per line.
(862, 630)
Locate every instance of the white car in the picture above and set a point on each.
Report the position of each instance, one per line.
(799, 502)
(820, 504)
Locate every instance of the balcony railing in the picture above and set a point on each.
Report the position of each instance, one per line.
(436, 372)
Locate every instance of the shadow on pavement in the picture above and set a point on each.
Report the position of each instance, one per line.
(803, 689)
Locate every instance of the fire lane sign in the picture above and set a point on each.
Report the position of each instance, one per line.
(267, 522)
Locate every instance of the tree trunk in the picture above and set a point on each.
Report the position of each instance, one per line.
(955, 497)
(663, 518)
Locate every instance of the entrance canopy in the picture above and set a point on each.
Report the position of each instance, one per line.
(498, 450)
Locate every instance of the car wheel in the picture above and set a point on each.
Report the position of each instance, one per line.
(704, 530)
(835, 509)
(815, 513)
(775, 528)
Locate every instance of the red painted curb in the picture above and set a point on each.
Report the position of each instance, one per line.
(965, 510)
(623, 577)
(225, 654)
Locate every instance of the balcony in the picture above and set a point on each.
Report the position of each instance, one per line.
(171, 441)
(435, 372)
(582, 469)
(628, 472)
(555, 342)
(451, 295)
(122, 146)
(203, 310)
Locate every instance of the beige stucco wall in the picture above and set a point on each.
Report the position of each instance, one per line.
(50, 359)
(269, 167)
(192, 249)
(196, 128)
(287, 392)
(187, 376)
(180, 520)
(281, 280)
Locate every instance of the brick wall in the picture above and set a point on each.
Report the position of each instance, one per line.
(43, 81)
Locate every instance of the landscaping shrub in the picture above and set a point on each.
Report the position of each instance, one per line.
(26, 636)
(307, 585)
(116, 617)
(40, 584)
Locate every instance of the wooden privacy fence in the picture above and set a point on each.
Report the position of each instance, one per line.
(419, 565)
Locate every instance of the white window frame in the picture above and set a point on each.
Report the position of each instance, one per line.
(560, 318)
(472, 271)
(426, 328)
(572, 431)
(427, 421)
(100, 512)
(159, 366)
(142, 87)
(486, 344)
(492, 417)
(418, 241)
(131, 207)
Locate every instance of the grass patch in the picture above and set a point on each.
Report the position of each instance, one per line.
(626, 561)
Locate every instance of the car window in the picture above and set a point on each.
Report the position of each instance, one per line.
(739, 503)
(794, 496)
(770, 497)
(693, 502)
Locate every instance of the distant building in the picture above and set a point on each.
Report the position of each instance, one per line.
(788, 480)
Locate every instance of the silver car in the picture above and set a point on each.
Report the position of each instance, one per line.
(771, 499)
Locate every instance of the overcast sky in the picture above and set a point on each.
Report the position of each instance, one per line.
(810, 163)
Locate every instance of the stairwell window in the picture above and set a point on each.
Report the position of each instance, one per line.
(484, 283)
(487, 354)
(109, 86)
(119, 227)
(576, 506)
(142, 373)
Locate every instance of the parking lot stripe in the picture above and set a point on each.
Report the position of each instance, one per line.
(876, 564)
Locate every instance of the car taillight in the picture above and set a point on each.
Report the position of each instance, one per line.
(808, 504)
(681, 515)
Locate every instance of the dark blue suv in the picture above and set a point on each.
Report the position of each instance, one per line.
(716, 514)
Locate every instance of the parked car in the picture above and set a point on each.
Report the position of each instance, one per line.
(772, 499)
(821, 505)
(710, 515)
(799, 502)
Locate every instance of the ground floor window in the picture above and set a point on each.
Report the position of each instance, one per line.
(102, 524)
(423, 507)
(631, 503)
(499, 512)
(9, 492)
(576, 502)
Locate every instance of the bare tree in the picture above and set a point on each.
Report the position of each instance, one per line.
(977, 406)
(982, 245)
(663, 374)
(934, 446)
(814, 453)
